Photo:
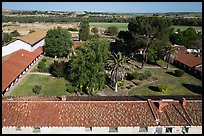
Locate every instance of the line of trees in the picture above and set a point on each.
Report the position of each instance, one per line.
(110, 19)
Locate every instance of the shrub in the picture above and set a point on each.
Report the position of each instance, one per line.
(129, 76)
(179, 73)
(120, 83)
(44, 60)
(41, 65)
(71, 89)
(36, 89)
(162, 88)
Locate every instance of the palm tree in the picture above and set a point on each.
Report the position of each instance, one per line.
(117, 64)
(170, 54)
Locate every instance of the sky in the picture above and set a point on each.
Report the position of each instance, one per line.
(116, 7)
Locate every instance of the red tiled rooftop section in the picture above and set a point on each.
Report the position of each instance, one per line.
(173, 113)
(194, 110)
(15, 63)
(34, 37)
(188, 59)
(76, 113)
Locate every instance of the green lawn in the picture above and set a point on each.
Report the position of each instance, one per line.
(51, 86)
(185, 85)
(120, 26)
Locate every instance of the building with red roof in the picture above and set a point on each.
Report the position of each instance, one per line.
(101, 115)
(16, 64)
(188, 61)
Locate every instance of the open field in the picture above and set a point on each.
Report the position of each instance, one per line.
(120, 26)
(182, 28)
(24, 28)
(51, 86)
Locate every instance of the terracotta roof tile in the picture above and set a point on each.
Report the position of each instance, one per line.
(34, 37)
(188, 59)
(83, 113)
(98, 113)
(15, 63)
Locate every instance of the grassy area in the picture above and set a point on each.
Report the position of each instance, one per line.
(182, 28)
(50, 86)
(185, 85)
(120, 26)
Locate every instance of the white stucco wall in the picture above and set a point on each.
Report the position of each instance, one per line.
(97, 130)
(15, 46)
(40, 43)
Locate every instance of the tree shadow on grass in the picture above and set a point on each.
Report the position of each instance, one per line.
(154, 88)
(170, 73)
(193, 88)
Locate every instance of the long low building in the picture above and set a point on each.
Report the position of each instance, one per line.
(28, 42)
(188, 61)
(16, 64)
(100, 114)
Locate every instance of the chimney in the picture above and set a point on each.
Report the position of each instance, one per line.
(63, 97)
(162, 105)
(184, 101)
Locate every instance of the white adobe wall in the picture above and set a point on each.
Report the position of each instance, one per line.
(15, 46)
(41, 43)
(195, 130)
(97, 130)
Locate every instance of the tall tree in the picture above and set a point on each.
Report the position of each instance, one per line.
(170, 53)
(84, 31)
(86, 68)
(6, 37)
(112, 31)
(57, 42)
(149, 29)
(117, 64)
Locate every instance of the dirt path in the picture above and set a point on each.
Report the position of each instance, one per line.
(40, 73)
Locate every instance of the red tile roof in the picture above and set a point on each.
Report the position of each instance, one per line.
(189, 59)
(76, 113)
(99, 113)
(15, 63)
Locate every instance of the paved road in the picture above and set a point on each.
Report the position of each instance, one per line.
(20, 80)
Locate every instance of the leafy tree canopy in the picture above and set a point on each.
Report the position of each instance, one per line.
(57, 42)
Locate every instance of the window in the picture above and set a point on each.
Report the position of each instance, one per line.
(18, 128)
(169, 130)
(113, 129)
(88, 128)
(159, 130)
(36, 129)
(143, 129)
